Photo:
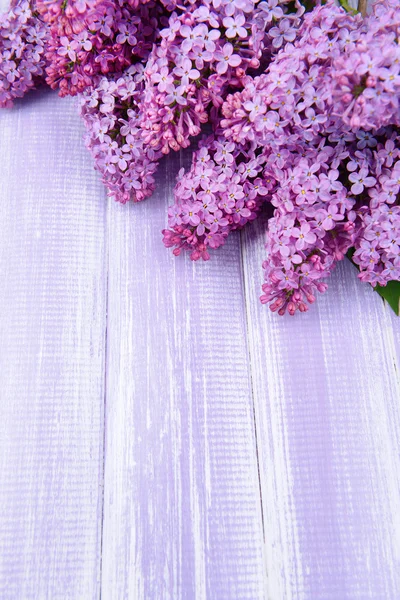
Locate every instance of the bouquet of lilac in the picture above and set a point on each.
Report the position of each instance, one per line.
(302, 104)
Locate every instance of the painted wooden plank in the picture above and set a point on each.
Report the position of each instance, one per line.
(52, 332)
(326, 391)
(182, 515)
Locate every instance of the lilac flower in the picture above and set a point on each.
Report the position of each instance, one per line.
(217, 221)
(331, 215)
(388, 154)
(234, 26)
(283, 33)
(366, 139)
(121, 158)
(313, 119)
(361, 180)
(175, 94)
(126, 34)
(104, 24)
(274, 123)
(304, 235)
(200, 56)
(226, 58)
(240, 211)
(271, 9)
(190, 37)
(190, 213)
(214, 240)
(68, 48)
(163, 78)
(186, 72)
(255, 108)
(210, 39)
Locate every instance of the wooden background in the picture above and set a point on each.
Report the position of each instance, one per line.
(162, 434)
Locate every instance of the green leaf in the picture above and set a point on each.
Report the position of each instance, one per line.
(344, 4)
(389, 292)
(349, 255)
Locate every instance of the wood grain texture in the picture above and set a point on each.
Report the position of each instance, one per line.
(182, 515)
(246, 456)
(52, 332)
(326, 392)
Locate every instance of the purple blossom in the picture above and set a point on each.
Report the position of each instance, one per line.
(68, 48)
(330, 216)
(186, 72)
(283, 33)
(234, 26)
(361, 180)
(304, 235)
(175, 94)
(190, 213)
(304, 109)
(226, 58)
(23, 38)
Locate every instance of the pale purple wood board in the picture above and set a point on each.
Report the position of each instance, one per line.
(178, 387)
(326, 389)
(241, 455)
(52, 332)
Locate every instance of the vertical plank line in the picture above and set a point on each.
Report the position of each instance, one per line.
(103, 453)
(246, 320)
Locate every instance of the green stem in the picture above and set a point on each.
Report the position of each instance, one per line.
(344, 4)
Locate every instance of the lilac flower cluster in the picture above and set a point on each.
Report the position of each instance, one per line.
(309, 231)
(291, 102)
(221, 192)
(318, 174)
(364, 82)
(22, 46)
(260, 117)
(304, 109)
(95, 38)
(322, 208)
(376, 170)
(204, 52)
(331, 198)
(111, 114)
(165, 118)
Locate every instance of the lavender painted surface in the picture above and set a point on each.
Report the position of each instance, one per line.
(241, 455)
(52, 332)
(326, 391)
(180, 462)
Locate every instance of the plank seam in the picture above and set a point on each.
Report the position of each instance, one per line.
(246, 320)
(107, 265)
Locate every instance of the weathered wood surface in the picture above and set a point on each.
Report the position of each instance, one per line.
(52, 340)
(326, 393)
(182, 512)
(245, 455)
